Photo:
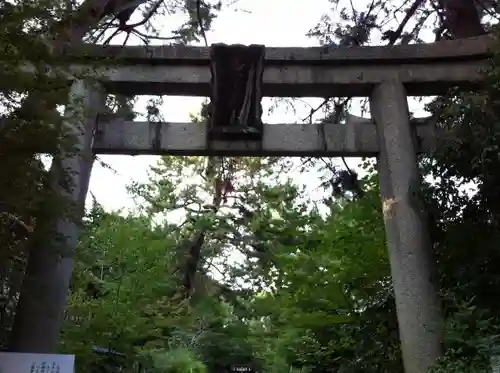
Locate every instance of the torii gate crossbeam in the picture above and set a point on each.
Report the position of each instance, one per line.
(428, 69)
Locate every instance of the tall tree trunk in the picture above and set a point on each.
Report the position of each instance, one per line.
(462, 18)
(193, 257)
(44, 293)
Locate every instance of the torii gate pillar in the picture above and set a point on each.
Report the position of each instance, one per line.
(44, 293)
(410, 251)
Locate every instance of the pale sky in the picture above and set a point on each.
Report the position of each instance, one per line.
(269, 22)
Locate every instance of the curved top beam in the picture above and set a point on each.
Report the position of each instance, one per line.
(475, 48)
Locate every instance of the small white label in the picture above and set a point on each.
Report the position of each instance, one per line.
(15, 362)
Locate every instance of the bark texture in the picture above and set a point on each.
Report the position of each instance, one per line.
(462, 18)
(43, 298)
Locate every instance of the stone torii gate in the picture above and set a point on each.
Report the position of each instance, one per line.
(384, 74)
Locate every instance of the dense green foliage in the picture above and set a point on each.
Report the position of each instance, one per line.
(310, 275)
(31, 121)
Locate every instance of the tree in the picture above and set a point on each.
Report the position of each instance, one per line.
(35, 113)
(201, 317)
(467, 221)
(451, 19)
(447, 19)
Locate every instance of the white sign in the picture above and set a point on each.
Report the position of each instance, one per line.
(15, 362)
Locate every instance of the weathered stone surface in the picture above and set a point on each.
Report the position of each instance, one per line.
(293, 81)
(357, 137)
(235, 109)
(475, 47)
(427, 69)
(410, 250)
